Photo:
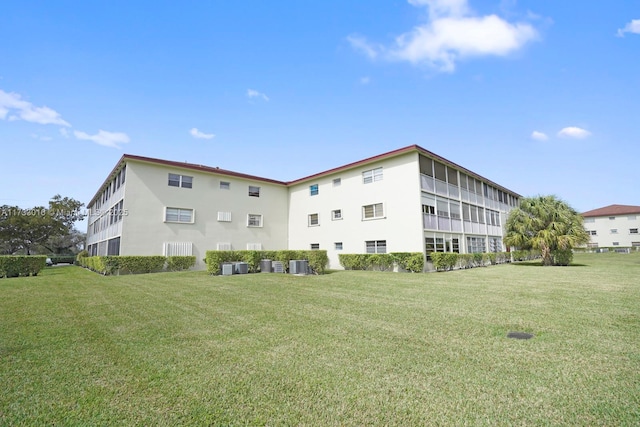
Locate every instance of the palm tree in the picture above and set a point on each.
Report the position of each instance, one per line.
(547, 224)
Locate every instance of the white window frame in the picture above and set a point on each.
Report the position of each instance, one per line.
(377, 211)
(375, 246)
(311, 220)
(251, 220)
(633, 231)
(614, 231)
(338, 246)
(179, 212)
(337, 182)
(254, 191)
(314, 190)
(372, 175)
(336, 214)
(183, 181)
(315, 246)
(225, 185)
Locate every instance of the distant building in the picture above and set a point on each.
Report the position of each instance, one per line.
(406, 200)
(613, 226)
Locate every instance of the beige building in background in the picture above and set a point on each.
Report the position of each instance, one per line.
(613, 226)
(406, 200)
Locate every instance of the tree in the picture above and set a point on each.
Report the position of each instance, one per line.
(547, 224)
(26, 229)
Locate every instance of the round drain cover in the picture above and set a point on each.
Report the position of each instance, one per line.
(519, 335)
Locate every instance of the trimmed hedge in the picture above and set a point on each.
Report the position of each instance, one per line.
(179, 263)
(410, 261)
(113, 264)
(21, 265)
(318, 260)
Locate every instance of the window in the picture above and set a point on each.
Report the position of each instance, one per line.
(315, 246)
(223, 246)
(376, 246)
(372, 175)
(178, 215)
(337, 246)
(254, 220)
(429, 210)
(180, 181)
(337, 182)
(592, 232)
(254, 246)
(313, 189)
(631, 217)
(113, 246)
(336, 214)
(616, 243)
(476, 245)
(611, 218)
(614, 231)
(224, 216)
(633, 231)
(372, 211)
(635, 244)
(254, 191)
(225, 185)
(313, 219)
(177, 249)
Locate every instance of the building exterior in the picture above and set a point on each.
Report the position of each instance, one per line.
(613, 226)
(406, 200)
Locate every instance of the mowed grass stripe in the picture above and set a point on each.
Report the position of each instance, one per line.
(346, 348)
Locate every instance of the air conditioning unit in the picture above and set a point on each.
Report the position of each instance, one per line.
(241, 268)
(227, 269)
(300, 266)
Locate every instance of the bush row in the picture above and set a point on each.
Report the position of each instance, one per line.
(318, 260)
(21, 265)
(114, 264)
(444, 261)
(409, 261)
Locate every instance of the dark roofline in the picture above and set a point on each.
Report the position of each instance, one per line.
(215, 170)
(612, 210)
(398, 152)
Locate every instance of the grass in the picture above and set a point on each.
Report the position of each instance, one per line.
(346, 348)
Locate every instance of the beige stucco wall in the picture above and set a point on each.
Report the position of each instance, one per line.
(399, 191)
(144, 229)
(603, 227)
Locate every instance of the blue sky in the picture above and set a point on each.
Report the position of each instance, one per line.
(539, 96)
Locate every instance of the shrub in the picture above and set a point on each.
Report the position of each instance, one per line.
(21, 265)
(444, 261)
(562, 256)
(179, 263)
(409, 261)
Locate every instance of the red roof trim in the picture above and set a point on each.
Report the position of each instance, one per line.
(215, 170)
(613, 210)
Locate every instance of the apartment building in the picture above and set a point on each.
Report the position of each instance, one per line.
(613, 226)
(406, 200)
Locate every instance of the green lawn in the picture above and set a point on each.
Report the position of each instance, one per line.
(346, 348)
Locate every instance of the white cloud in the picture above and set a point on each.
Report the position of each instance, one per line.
(13, 107)
(108, 139)
(200, 135)
(64, 132)
(574, 132)
(632, 27)
(365, 80)
(255, 94)
(539, 136)
(361, 44)
(452, 33)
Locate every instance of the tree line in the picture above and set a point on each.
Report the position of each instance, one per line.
(42, 229)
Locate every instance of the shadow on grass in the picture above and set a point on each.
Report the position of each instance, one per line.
(539, 264)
